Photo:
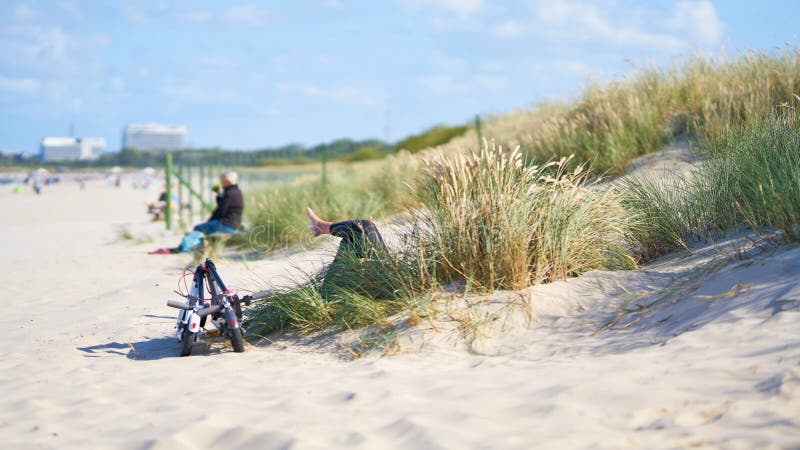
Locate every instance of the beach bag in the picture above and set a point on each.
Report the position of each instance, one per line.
(191, 241)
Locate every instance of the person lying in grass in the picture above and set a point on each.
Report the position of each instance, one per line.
(361, 243)
(360, 237)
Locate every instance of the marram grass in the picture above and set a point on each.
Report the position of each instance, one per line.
(497, 223)
(610, 124)
(751, 178)
(350, 293)
(494, 218)
(366, 190)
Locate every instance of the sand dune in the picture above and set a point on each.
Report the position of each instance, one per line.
(706, 356)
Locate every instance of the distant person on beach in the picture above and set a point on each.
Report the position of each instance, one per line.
(227, 216)
(158, 208)
(218, 193)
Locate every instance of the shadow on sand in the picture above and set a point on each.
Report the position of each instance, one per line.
(152, 349)
(146, 349)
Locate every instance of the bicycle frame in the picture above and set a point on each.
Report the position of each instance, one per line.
(225, 309)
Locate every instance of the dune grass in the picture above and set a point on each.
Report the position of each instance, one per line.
(753, 176)
(496, 223)
(611, 124)
(504, 219)
(603, 130)
(350, 293)
(487, 221)
(366, 190)
(750, 178)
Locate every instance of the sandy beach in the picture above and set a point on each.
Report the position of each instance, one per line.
(89, 358)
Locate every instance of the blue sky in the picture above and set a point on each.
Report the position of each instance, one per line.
(246, 75)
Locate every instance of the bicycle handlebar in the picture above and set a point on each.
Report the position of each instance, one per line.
(203, 312)
(178, 305)
(259, 295)
(210, 310)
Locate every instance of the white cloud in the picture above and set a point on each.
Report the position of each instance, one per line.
(196, 17)
(580, 21)
(442, 84)
(215, 62)
(195, 92)
(349, 95)
(493, 65)
(455, 75)
(24, 11)
(71, 8)
(333, 4)
(117, 83)
(164, 13)
(700, 19)
(509, 29)
(98, 41)
(687, 23)
(142, 13)
(443, 62)
(19, 85)
(461, 8)
(51, 51)
(246, 16)
(37, 46)
(564, 67)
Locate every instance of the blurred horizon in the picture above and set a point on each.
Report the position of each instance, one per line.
(251, 75)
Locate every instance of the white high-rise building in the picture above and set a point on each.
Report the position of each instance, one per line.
(154, 137)
(92, 147)
(71, 148)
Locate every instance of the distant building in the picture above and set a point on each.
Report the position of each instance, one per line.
(12, 155)
(72, 149)
(154, 137)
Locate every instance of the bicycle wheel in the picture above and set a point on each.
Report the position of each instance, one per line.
(237, 340)
(187, 339)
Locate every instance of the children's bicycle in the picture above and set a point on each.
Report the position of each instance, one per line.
(223, 310)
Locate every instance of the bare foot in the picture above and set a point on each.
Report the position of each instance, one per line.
(318, 226)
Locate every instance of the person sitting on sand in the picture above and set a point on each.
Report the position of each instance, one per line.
(227, 216)
(361, 241)
(158, 208)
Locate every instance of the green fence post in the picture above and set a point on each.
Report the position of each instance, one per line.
(214, 180)
(187, 183)
(181, 222)
(202, 180)
(190, 179)
(324, 166)
(168, 206)
(478, 129)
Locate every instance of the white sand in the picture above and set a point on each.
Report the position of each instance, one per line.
(88, 359)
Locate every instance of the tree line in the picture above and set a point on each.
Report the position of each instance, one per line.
(347, 150)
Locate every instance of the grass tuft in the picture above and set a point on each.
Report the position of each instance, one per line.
(350, 293)
(497, 223)
(750, 178)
